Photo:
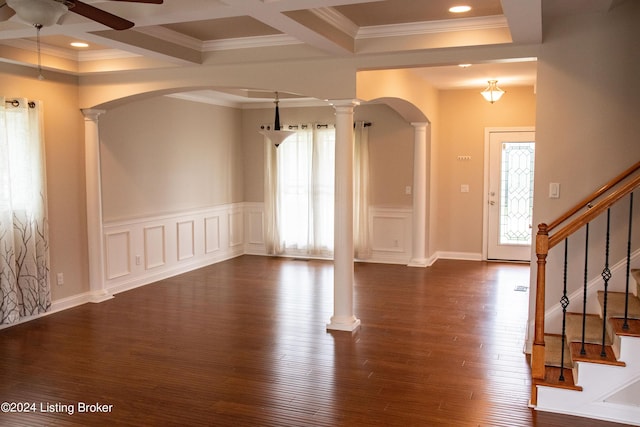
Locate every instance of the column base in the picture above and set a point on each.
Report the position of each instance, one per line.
(348, 324)
(418, 262)
(100, 296)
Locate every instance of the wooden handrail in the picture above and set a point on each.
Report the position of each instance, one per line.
(585, 202)
(596, 210)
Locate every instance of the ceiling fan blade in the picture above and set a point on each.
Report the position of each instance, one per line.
(101, 16)
(5, 12)
(142, 1)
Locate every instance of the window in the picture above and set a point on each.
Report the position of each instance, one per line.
(299, 193)
(305, 164)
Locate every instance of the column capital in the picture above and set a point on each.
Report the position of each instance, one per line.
(420, 124)
(344, 103)
(92, 113)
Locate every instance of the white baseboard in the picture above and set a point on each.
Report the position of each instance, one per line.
(465, 256)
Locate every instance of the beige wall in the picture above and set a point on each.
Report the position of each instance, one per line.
(163, 155)
(587, 115)
(464, 116)
(64, 145)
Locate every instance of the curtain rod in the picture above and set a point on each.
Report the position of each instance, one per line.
(16, 103)
(318, 126)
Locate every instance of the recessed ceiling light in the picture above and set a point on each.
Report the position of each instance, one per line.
(79, 44)
(464, 65)
(459, 9)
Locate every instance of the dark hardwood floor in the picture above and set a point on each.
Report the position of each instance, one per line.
(244, 343)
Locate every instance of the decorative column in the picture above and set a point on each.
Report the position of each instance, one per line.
(420, 190)
(94, 206)
(343, 318)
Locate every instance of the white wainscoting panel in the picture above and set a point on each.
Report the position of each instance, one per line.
(170, 244)
(177, 243)
(154, 247)
(236, 228)
(186, 240)
(254, 229)
(211, 234)
(390, 234)
(118, 252)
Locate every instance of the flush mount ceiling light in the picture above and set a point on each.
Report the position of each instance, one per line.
(492, 93)
(276, 135)
(460, 9)
(79, 44)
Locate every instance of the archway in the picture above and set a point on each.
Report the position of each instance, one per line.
(420, 256)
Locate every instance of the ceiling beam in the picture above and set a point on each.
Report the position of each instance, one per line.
(525, 20)
(313, 32)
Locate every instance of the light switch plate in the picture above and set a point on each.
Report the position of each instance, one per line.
(554, 190)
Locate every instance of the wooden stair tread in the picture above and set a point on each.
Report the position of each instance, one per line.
(593, 354)
(552, 379)
(634, 327)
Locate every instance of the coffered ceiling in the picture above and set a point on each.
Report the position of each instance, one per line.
(191, 33)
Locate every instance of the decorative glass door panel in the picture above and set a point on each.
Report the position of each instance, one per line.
(516, 198)
(510, 198)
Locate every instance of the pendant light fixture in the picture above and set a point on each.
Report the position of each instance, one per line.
(276, 135)
(492, 93)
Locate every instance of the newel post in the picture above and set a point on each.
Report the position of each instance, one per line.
(537, 354)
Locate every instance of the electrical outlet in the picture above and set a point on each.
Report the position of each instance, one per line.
(138, 259)
(60, 279)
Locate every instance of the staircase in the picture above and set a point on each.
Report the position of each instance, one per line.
(590, 384)
(590, 365)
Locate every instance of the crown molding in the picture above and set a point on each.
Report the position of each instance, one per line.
(418, 28)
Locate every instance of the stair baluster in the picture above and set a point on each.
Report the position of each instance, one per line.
(583, 351)
(564, 302)
(606, 275)
(625, 325)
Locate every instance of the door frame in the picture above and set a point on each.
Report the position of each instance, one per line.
(485, 189)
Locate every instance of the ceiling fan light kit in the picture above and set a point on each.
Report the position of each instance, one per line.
(45, 13)
(38, 12)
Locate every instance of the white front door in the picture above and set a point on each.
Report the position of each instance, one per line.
(510, 197)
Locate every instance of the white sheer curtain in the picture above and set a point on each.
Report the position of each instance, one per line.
(24, 242)
(361, 241)
(299, 192)
(299, 177)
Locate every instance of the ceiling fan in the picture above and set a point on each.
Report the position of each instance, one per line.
(44, 13)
